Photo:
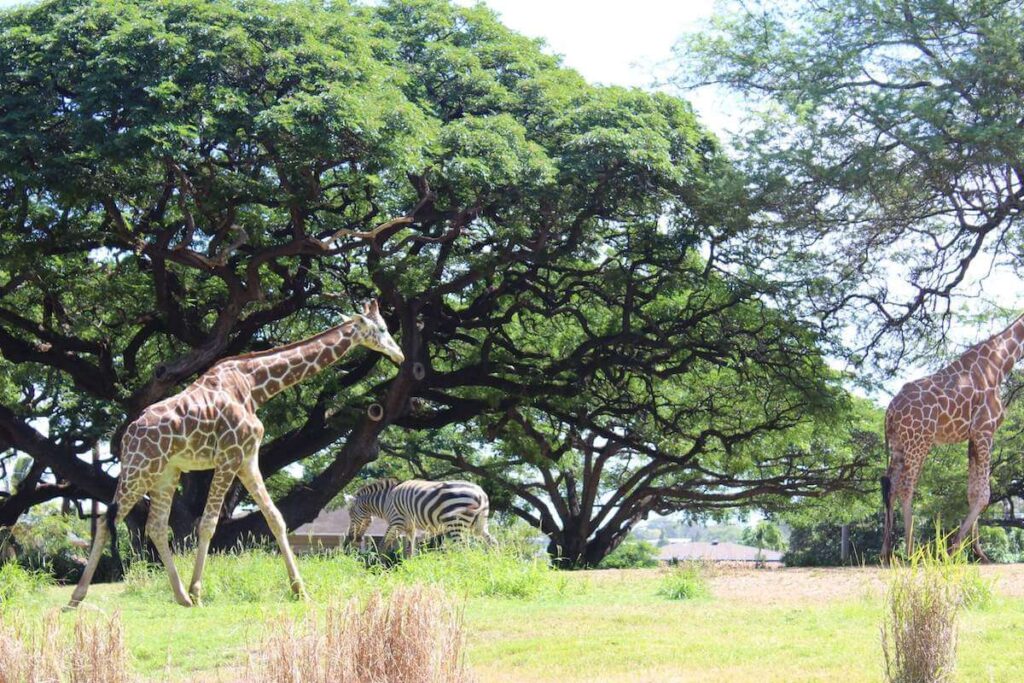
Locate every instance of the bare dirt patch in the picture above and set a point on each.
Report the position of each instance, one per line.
(813, 585)
(800, 584)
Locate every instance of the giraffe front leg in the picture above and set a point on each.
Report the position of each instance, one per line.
(157, 528)
(252, 479)
(978, 490)
(219, 487)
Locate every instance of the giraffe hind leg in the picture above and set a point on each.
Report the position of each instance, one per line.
(222, 479)
(118, 510)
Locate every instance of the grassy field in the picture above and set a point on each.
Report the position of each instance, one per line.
(526, 623)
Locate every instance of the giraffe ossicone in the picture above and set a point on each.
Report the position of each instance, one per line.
(958, 403)
(212, 424)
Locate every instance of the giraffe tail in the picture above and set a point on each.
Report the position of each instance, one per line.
(886, 495)
(112, 530)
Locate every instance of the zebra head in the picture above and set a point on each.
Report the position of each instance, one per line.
(369, 500)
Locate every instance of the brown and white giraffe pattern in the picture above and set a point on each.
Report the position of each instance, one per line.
(212, 424)
(960, 402)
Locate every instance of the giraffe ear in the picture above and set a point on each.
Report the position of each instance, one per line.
(372, 308)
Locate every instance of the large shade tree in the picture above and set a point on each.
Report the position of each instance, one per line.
(181, 181)
(719, 404)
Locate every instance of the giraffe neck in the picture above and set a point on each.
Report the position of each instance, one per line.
(1003, 350)
(273, 371)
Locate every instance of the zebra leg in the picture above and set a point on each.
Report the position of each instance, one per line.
(480, 529)
(411, 533)
(392, 534)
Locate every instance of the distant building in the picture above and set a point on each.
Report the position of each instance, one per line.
(715, 551)
(328, 530)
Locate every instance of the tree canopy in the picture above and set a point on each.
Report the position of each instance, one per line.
(885, 153)
(181, 181)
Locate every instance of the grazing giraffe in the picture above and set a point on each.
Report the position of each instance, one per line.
(958, 403)
(212, 424)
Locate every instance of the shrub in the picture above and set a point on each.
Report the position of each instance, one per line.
(16, 582)
(469, 569)
(818, 545)
(996, 544)
(926, 595)
(685, 582)
(473, 570)
(43, 652)
(764, 534)
(631, 555)
(413, 635)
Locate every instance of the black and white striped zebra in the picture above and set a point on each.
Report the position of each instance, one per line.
(434, 507)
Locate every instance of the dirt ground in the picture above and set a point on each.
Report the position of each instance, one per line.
(814, 584)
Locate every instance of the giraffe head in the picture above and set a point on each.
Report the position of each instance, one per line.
(372, 332)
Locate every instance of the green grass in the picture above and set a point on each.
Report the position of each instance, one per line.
(528, 623)
(685, 582)
(17, 582)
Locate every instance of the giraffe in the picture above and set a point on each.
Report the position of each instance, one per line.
(212, 424)
(958, 403)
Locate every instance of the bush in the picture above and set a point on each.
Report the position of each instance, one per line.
(996, 544)
(764, 534)
(631, 555)
(413, 635)
(926, 595)
(685, 582)
(16, 582)
(469, 569)
(473, 570)
(818, 545)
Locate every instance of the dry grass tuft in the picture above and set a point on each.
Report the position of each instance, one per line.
(414, 635)
(34, 653)
(925, 598)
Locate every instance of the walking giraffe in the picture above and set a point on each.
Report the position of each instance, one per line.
(212, 424)
(958, 403)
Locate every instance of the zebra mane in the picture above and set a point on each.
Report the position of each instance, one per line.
(377, 485)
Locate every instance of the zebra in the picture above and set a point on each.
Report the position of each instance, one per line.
(436, 507)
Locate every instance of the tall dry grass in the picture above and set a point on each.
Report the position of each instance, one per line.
(413, 635)
(925, 597)
(43, 652)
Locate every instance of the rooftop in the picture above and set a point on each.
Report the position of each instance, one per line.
(717, 552)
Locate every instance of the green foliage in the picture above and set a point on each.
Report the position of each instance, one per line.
(818, 544)
(885, 132)
(249, 576)
(996, 544)
(631, 555)
(764, 534)
(685, 582)
(17, 582)
(480, 571)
